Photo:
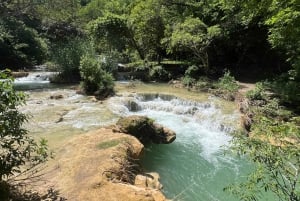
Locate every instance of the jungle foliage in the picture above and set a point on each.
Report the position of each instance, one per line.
(252, 39)
(20, 154)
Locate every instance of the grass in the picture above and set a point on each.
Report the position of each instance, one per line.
(109, 144)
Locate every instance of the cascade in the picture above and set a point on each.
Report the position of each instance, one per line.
(35, 80)
(194, 167)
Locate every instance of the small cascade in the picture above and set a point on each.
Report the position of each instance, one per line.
(35, 80)
(205, 113)
(194, 166)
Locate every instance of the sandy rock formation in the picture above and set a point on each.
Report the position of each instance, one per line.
(19, 74)
(91, 167)
(148, 180)
(56, 96)
(145, 130)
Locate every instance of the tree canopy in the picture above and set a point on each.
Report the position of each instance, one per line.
(253, 39)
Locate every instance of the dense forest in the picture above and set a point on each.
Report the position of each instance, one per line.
(252, 39)
(190, 40)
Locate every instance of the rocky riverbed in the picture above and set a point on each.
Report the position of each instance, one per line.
(86, 150)
(100, 165)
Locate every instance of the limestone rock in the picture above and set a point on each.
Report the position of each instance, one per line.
(80, 165)
(149, 180)
(56, 96)
(133, 106)
(19, 74)
(246, 122)
(163, 134)
(145, 130)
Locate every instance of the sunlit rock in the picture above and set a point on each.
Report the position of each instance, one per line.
(149, 180)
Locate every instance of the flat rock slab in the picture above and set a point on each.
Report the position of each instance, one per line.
(77, 171)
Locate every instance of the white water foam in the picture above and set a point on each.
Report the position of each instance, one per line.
(194, 166)
(198, 125)
(35, 77)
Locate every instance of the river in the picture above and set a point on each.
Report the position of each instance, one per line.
(193, 168)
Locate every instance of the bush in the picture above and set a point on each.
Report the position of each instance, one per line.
(274, 149)
(110, 61)
(226, 87)
(203, 84)
(159, 73)
(287, 86)
(16, 147)
(95, 80)
(188, 81)
(273, 109)
(193, 72)
(228, 83)
(258, 93)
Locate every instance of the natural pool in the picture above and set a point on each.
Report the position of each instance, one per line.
(192, 168)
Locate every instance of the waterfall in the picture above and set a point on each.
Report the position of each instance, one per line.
(194, 166)
(35, 80)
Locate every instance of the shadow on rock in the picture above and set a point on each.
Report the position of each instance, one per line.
(15, 193)
(145, 130)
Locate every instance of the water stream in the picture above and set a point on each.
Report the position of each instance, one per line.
(35, 80)
(192, 168)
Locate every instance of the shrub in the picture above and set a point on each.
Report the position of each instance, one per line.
(16, 147)
(228, 83)
(188, 81)
(274, 110)
(109, 61)
(287, 86)
(203, 84)
(258, 93)
(193, 72)
(159, 73)
(274, 149)
(95, 80)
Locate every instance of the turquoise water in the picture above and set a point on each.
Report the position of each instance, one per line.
(194, 167)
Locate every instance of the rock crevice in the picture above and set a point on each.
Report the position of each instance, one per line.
(145, 130)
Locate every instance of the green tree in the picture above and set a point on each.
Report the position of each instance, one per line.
(274, 149)
(110, 32)
(279, 22)
(52, 11)
(146, 23)
(17, 148)
(20, 45)
(66, 55)
(195, 36)
(100, 8)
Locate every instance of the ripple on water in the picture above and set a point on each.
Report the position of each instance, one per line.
(194, 166)
(59, 120)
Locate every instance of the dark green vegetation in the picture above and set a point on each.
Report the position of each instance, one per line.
(251, 39)
(19, 153)
(96, 80)
(273, 146)
(195, 41)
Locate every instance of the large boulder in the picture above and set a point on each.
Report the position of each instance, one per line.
(144, 129)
